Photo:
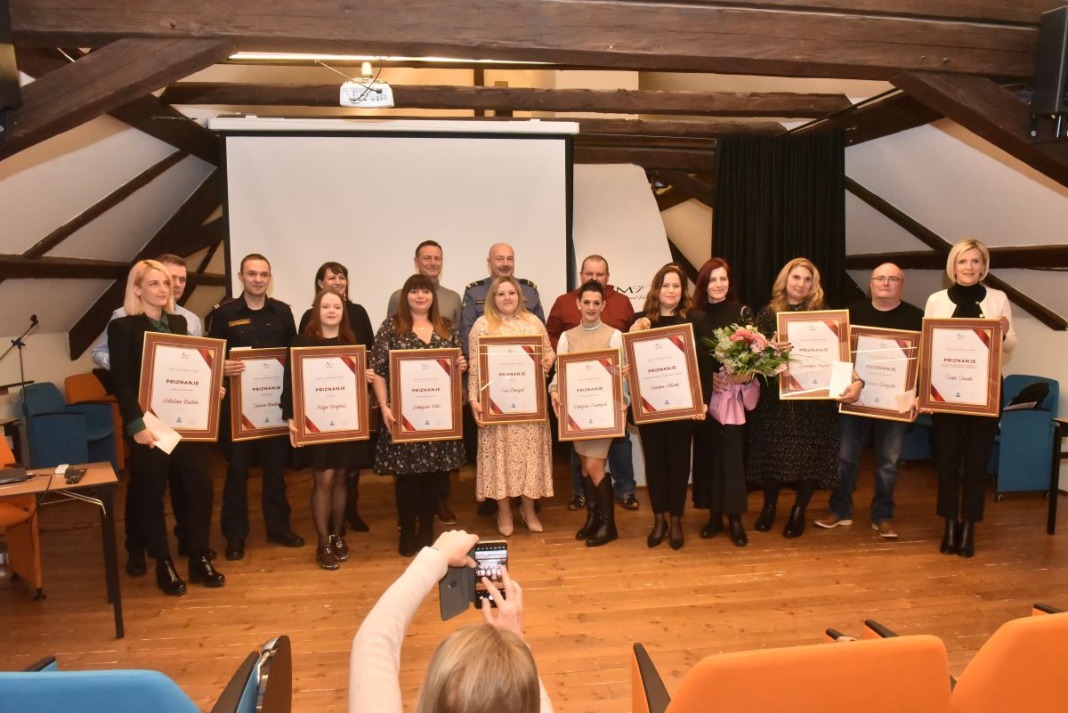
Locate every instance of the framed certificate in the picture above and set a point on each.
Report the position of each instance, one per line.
(664, 383)
(425, 396)
(330, 394)
(819, 339)
(256, 393)
(511, 380)
(181, 379)
(591, 395)
(960, 368)
(886, 359)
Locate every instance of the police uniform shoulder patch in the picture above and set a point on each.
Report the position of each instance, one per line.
(525, 281)
(223, 302)
(476, 283)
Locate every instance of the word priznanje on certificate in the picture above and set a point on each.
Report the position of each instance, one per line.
(664, 382)
(591, 394)
(256, 394)
(887, 361)
(511, 379)
(330, 394)
(819, 339)
(181, 380)
(961, 366)
(425, 394)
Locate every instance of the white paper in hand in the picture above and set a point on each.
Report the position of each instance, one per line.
(166, 437)
(841, 377)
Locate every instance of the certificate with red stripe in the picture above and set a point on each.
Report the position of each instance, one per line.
(819, 338)
(330, 394)
(591, 394)
(887, 360)
(960, 366)
(511, 380)
(181, 383)
(256, 394)
(664, 382)
(425, 394)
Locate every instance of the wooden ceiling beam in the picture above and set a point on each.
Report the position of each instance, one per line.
(171, 238)
(146, 113)
(1020, 12)
(876, 119)
(619, 101)
(104, 80)
(688, 161)
(621, 34)
(1034, 257)
(941, 246)
(688, 185)
(990, 111)
(19, 267)
(669, 198)
(57, 236)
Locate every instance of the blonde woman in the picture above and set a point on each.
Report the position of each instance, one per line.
(514, 459)
(962, 443)
(149, 306)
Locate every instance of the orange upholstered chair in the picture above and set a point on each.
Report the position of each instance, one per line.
(18, 517)
(906, 673)
(1022, 667)
(86, 388)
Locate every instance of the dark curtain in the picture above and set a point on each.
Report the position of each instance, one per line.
(778, 198)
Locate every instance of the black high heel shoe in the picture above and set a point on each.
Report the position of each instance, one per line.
(714, 526)
(167, 578)
(738, 536)
(659, 530)
(675, 536)
(967, 540)
(950, 538)
(766, 518)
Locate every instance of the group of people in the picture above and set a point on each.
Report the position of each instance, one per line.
(803, 445)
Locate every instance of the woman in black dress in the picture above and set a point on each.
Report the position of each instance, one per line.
(335, 276)
(719, 449)
(149, 306)
(328, 327)
(422, 469)
(792, 443)
(666, 445)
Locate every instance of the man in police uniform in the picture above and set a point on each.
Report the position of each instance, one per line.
(501, 262)
(254, 320)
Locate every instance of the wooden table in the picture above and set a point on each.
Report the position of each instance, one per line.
(1059, 425)
(97, 487)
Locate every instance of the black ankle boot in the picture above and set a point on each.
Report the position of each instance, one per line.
(167, 578)
(738, 536)
(766, 518)
(606, 506)
(593, 513)
(967, 540)
(135, 563)
(659, 530)
(950, 538)
(714, 526)
(675, 533)
(795, 525)
(201, 571)
(352, 517)
(408, 544)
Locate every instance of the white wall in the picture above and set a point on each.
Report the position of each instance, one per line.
(46, 358)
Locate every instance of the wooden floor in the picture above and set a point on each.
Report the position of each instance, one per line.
(585, 607)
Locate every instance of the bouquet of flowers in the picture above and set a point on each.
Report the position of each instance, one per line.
(744, 352)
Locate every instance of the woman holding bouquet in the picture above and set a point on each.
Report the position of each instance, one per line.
(719, 452)
(666, 445)
(792, 443)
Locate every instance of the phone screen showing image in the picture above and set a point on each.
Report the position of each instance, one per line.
(489, 556)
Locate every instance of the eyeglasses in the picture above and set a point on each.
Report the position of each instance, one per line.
(892, 279)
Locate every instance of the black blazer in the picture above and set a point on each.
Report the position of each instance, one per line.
(126, 340)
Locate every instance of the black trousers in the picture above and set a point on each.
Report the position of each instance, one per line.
(666, 447)
(272, 454)
(723, 449)
(417, 498)
(150, 469)
(135, 541)
(962, 447)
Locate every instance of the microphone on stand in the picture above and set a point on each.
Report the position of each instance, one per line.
(33, 320)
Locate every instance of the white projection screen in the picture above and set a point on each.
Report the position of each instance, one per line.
(306, 191)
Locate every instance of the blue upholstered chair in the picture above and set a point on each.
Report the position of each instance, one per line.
(1025, 444)
(61, 433)
(261, 684)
